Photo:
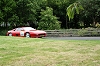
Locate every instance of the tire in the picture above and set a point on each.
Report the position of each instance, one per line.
(39, 37)
(10, 34)
(27, 35)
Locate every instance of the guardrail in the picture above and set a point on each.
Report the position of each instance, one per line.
(73, 32)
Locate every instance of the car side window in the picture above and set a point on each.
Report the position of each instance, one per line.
(19, 29)
(16, 29)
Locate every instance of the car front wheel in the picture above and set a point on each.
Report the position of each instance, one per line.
(9, 34)
(27, 35)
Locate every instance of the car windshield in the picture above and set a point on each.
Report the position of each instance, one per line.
(28, 28)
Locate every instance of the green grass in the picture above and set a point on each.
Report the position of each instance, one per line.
(15, 51)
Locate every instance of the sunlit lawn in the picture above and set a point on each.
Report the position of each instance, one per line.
(16, 51)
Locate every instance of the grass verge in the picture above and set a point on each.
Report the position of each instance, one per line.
(16, 51)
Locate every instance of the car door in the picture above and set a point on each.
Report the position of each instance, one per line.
(19, 32)
(16, 32)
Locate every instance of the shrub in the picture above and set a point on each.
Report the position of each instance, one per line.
(3, 32)
(48, 21)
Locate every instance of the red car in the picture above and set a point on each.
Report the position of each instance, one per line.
(26, 32)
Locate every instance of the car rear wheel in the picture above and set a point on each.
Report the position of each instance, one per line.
(27, 35)
(9, 34)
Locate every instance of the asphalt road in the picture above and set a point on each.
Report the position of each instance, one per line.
(73, 38)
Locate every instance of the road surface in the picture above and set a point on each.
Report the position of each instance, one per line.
(73, 38)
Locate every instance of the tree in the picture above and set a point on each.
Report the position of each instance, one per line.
(6, 10)
(74, 9)
(91, 13)
(59, 9)
(48, 21)
(1, 14)
(28, 12)
(22, 10)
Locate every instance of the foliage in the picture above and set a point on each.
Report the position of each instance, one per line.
(48, 21)
(89, 32)
(97, 25)
(59, 9)
(27, 12)
(74, 8)
(91, 13)
(6, 10)
(3, 32)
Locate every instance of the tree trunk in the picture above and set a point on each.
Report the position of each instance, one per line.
(94, 22)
